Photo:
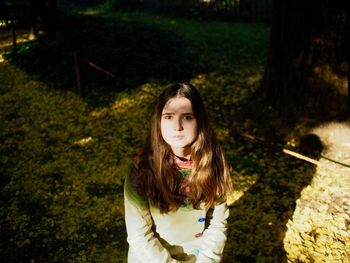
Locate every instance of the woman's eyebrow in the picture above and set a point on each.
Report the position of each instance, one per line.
(172, 113)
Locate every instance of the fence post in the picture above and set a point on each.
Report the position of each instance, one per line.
(349, 84)
(14, 38)
(78, 75)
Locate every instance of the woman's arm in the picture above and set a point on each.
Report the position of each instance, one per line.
(214, 237)
(139, 224)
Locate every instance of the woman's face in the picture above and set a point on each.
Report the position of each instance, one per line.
(179, 125)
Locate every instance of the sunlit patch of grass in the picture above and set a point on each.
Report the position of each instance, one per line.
(84, 141)
(3, 23)
(21, 37)
(90, 12)
(99, 113)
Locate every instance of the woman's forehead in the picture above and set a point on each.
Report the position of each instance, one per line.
(178, 105)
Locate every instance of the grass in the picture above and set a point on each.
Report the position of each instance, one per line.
(64, 158)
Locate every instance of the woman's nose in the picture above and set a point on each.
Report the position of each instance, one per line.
(178, 125)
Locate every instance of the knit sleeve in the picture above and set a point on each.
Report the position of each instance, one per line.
(142, 241)
(214, 237)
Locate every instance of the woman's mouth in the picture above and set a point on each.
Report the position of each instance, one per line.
(178, 137)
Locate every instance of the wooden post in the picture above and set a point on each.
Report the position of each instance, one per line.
(78, 75)
(14, 38)
(349, 85)
(348, 60)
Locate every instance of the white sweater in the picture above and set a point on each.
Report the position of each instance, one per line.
(187, 235)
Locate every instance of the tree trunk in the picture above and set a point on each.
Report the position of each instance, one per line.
(43, 16)
(308, 58)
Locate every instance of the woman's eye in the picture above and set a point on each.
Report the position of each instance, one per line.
(188, 117)
(167, 117)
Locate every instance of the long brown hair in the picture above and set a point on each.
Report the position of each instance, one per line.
(158, 178)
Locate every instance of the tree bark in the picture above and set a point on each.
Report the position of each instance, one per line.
(44, 16)
(308, 57)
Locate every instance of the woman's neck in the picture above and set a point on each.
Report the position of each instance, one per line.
(183, 158)
(182, 153)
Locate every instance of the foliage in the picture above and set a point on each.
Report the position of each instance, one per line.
(63, 158)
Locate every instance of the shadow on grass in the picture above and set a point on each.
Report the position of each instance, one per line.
(107, 244)
(257, 223)
(134, 53)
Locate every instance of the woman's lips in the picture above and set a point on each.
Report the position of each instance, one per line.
(178, 137)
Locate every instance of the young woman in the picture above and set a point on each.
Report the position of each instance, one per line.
(175, 194)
